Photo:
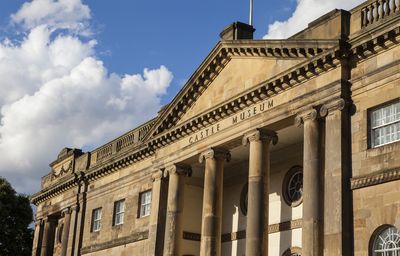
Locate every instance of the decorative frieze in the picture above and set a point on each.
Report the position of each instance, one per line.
(375, 178)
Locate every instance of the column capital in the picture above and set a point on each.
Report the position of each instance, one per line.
(218, 153)
(306, 115)
(66, 211)
(332, 106)
(260, 134)
(157, 175)
(179, 169)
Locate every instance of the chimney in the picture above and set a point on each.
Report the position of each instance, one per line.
(237, 31)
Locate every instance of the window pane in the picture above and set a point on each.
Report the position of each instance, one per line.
(145, 204)
(96, 217)
(385, 124)
(387, 242)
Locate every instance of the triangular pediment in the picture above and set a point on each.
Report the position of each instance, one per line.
(232, 68)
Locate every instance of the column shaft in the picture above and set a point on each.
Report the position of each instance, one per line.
(48, 237)
(258, 194)
(212, 202)
(65, 234)
(311, 187)
(173, 230)
(154, 236)
(37, 239)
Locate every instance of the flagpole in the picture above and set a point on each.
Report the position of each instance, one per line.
(251, 13)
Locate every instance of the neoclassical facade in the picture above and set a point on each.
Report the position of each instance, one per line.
(272, 147)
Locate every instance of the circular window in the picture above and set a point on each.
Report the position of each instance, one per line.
(386, 241)
(244, 199)
(292, 189)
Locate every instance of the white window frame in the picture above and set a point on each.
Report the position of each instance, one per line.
(96, 220)
(388, 126)
(119, 212)
(145, 203)
(386, 241)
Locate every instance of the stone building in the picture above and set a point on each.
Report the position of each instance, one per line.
(272, 147)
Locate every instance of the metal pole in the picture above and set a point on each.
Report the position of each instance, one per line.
(251, 13)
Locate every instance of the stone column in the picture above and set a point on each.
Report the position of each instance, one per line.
(37, 238)
(48, 237)
(337, 216)
(65, 232)
(212, 200)
(72, 230)
(311, 183)
(154, 234)
(173, 229)
(258, 194)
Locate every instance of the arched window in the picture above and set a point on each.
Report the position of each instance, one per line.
(385, 241)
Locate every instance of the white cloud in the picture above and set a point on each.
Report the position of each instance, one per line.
(56, 92)
(65, 14)
(306, 11)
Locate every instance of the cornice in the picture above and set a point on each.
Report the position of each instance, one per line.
(272, 87)
(374, 41)
(55, 190)
(375, 178)
(220, 56)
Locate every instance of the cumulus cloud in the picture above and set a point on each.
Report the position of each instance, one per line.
(56, 92)
(305, 12)
(57, 14)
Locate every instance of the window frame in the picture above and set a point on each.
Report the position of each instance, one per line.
(116, 214)
(286, 182)
(375, 235)
(370, 129)
(141, 204)
(92, 228)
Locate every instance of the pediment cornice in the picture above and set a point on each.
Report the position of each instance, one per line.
(222, 53)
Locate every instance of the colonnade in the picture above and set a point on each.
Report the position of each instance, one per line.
(320, 201)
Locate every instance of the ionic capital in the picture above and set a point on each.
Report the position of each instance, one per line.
(308, 115)
(66, 211)
(157, 175)
(178, 169)
(331, 107)
(217, 153)
(260, 135)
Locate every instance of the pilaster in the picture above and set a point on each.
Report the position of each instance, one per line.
(337, 215)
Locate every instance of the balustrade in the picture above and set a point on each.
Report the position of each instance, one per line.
(377, 10)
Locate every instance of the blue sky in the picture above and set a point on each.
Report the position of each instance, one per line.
(133, 35)
(78, 73)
